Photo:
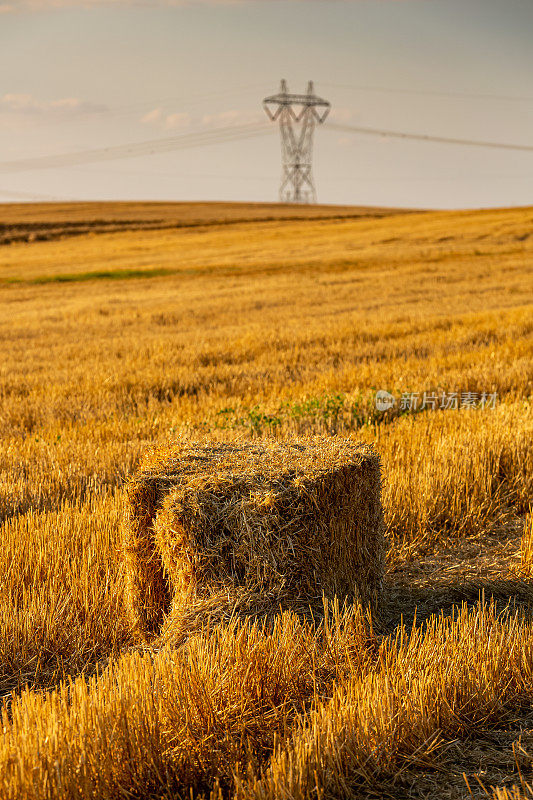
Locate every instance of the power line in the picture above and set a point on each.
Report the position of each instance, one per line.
(421, 92)
(220, 135)
(169, 174)
(424, 137)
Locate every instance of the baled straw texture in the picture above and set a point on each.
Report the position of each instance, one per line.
(253, 528)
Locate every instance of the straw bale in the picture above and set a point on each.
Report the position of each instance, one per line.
(224, 528)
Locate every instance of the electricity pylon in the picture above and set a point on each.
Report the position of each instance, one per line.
(298, 114)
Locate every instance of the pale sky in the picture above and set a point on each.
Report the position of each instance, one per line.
(81, 75)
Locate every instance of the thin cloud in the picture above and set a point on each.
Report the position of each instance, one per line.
(169, 122)
(163, 120)
(27, 104)
(152, 117)
(177, 121)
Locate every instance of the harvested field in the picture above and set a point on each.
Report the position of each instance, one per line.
(225, 529)
(40, 222)
(117, 344)
(526, 549)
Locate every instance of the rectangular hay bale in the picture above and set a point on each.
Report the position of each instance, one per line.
(214, 529)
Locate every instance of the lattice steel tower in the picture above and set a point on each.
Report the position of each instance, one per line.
(298, 114)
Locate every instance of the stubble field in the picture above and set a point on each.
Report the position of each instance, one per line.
(135, 326)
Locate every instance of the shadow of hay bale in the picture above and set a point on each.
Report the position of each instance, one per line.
(214, 531)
